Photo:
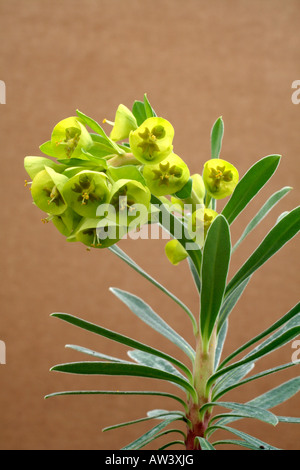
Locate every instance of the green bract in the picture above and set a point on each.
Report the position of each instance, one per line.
(220, 178)
(46, 191)
(199, 224)
(152, 141)
(96, 233)
(85, 191)
(175, 252)
(131, 202)
(66, 222)
(125, 122)
(69, 137)
(166, 177)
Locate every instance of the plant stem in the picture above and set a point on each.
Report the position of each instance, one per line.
(203, 369)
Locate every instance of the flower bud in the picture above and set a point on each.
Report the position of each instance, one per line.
(198, 186)
(175, 252)
(125, 122)
(131, 201)
(85, 191)
(46, 191)
(166, 177)
(69, 137)
(152, 141)
(199, 224)
(220, 178)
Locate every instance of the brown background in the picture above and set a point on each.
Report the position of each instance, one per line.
(196, 60)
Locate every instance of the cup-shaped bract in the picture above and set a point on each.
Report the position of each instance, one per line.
(152, 141)
(166, 177)
(69, 137)
(175, 252)
(46, 191)
(97, 233)
(199, 223)
(33, 165)
(85, 191)
(66, 222)
(125, 122)
(220, 178)
(130, 200)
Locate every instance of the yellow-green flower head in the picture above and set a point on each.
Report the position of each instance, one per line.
(46, 191)
(85, 191)
(220, 178)
(199, 223)
(175, 252)
(131, 201)
(152, 141)
(69, 136)
(166, 177)
(125, 122)
(96, 233)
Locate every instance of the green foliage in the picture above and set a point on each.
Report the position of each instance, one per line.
(97, 187)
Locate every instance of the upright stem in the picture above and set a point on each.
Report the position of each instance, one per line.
(203, 369)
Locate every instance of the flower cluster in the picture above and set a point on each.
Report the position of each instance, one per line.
(99, 186)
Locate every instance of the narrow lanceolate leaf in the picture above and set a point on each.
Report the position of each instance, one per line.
(262, 213)
(220, 343)
(257, 443)
(122, 255)
(251, 183)
(216, 137)
(120, 392)
(236, 442)
(195, 275)
(120, 339)
(149, 436)
(272, 398)
(90, 352)
(153, 361)
(165, 415)
(147, 315)
(215, 263)
(279, 341)
(204, 444)
(178, 230)
(230, 302)
(244, 411)
(231, 379)
(133, 370)
(278, 236)
(292, 315)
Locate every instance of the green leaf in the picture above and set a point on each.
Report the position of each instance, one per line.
(122, 255)
(215, 264)
(244, 411)
(98, 129)
(262, 213)
(119, 338)
(186, 191)
(230, 302)
(204, 444)
(129, 172)
(148, 436)
(90, 352)
(251, 183)
(119, 392)
(236, 442)
(231, 379)
(195, 275)
(139, 112)
(288, 419)
(133, 370)
(278, 236)
(162, 415)
(153, 361)
(148, 108)
(218, 392)
(147, 315)
(216, 137)
(257, 443)
(271, 346)
(220, 343)
(285, 320)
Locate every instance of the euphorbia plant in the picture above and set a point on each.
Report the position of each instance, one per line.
(102, 187)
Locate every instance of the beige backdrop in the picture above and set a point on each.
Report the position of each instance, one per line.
(196, 60)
